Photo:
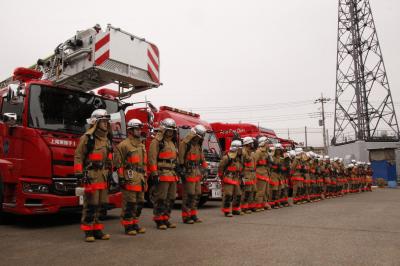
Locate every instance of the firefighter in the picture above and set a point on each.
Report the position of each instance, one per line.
(230, 170)
(92, 163)
(369, 174)
(262, 159)
(320, 178)
(297, 177)
(249, 187)
(313, 176)
(284, 182)
(191, 166)
(364, 177)
(162, 166)
(342, 177)
(326, 173)
(276, 164)
(347, 177)
(306, 157)
(131, 160)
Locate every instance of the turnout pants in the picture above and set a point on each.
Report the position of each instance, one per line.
(190, 199)
(92, 203)
(262, 193)
(165, 196)
(231, 198)
(132, 205)
(248, 198)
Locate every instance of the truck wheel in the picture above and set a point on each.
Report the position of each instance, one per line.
(203, 201)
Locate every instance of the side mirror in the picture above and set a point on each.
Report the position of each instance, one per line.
(14, 95)
(10, 119)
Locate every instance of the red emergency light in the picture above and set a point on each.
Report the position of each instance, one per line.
(176, 110)
(108, 93)
(25, 74)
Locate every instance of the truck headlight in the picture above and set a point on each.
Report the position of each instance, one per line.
(35, 188)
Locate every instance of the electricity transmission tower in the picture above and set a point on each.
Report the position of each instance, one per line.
(364, 107)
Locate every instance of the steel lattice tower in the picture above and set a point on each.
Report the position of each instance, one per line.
(364, 107)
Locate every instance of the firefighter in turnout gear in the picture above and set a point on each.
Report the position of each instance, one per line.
(297, 177)
(131, 161)
(285, 172)
(230, 171)
(191, 167)
(249, 187)
(92, 164)
(326, 172)
(276, 164)
(162, 166)
(368, 178)
(262, 159)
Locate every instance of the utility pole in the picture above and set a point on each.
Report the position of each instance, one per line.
(305, 136)
(327, 138)
(323, 100)
(288, 134)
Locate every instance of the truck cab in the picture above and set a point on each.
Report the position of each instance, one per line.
(40, 127)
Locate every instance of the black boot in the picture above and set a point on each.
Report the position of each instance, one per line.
(98, 234)
(139, 229)
(129, 230)
(160, 225)
(196, 219)
(89, 236)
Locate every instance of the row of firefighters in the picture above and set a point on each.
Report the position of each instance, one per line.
(253, 179)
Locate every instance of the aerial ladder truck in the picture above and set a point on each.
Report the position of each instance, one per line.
(44, 110)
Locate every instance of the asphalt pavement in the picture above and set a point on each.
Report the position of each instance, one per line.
(358, 229)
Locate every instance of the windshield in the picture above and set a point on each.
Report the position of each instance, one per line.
(67, 110)
(211, 148)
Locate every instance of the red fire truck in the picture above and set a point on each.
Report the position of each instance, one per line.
(44, 110)
(151, 117)
(225, 133)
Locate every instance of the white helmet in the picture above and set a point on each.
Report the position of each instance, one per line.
(134, 123)
(292, 154)
(199, 130)
(98, 114)
(336, 159)
(168, 123)
(278, 146)
(326, 157)
(350, 165)
(298, 150)
(262, 141)
(235, 145)
(353, 161)
(247, 140)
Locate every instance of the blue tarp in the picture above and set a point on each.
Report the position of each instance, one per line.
(383, 169)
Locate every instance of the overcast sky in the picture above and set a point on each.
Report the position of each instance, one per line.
(216, 54)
